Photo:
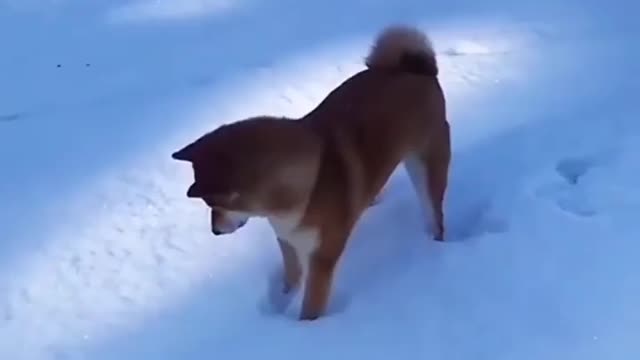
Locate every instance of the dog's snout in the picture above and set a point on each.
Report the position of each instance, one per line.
(226, 222)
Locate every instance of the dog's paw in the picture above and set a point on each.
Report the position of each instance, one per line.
(338, 303)
(275, 301)
(437, 232)
(279, 295)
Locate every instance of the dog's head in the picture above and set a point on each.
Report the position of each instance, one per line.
(253, 167)
(219, 181)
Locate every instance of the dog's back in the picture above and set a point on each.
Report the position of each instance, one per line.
(392, 112)
(379, 117)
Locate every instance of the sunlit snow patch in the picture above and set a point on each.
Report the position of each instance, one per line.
(145, 10)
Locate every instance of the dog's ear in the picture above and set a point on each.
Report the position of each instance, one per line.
(196, 190)
(187, 153)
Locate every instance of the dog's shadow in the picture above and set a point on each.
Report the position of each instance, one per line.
(394, 234)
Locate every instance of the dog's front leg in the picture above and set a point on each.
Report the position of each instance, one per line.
(291, 264)
(286, 281)
(318, 286)
(322, 264)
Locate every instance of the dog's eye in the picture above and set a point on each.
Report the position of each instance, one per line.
(233, 196)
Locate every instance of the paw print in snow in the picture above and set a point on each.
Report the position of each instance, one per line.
(568, 194)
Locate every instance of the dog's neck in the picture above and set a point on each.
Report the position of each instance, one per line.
(286, 155)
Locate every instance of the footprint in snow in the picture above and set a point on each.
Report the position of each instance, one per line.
(278, 303)
(566, 192)
(476, 220)
(572, 169)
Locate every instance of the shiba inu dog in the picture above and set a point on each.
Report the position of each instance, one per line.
(313, 177)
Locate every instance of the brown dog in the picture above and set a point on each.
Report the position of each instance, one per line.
(313, 177)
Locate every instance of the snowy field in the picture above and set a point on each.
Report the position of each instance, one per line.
(103, 257)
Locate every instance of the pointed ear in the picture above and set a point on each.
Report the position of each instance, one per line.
(187, 153)
(196, 190)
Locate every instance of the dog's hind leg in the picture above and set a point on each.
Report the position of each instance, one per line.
(429, 171)
(417, 171)
(438, 159)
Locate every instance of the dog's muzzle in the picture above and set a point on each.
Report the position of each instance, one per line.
(226, 222)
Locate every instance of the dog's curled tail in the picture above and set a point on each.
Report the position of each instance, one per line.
(403, 48)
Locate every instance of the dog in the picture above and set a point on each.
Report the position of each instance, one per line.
(313, 177)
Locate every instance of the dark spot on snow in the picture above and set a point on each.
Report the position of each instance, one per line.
(453, 52)
(25, 295)
(567, 195)
(10, 117)
(572, 169)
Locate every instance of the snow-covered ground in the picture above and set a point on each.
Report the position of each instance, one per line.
(103, 257)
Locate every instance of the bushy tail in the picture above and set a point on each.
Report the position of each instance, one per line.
(403, 48)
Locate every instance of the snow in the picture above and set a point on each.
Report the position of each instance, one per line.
(170, 10)
(103, 256)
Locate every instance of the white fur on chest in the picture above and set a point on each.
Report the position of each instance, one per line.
(304, 240)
